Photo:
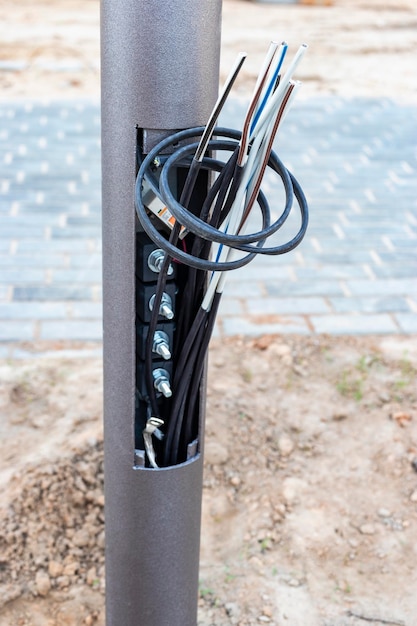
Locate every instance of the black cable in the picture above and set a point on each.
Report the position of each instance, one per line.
(196, 225)
(194, 323)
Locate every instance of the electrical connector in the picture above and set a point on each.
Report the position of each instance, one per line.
(195, 192)
(156, 260)
(165, 308)
(158, 208)
(161, 345)
(161, 382)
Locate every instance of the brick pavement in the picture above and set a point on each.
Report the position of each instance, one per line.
(354, 273)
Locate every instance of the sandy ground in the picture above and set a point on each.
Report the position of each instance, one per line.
(310, 495)
(310, 489)
(356, 47)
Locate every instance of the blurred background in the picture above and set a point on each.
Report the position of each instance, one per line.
(357, 47)
(348, 140)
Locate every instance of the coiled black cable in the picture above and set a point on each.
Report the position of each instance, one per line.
(195, 324)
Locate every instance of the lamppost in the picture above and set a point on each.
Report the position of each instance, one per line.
(160, 64)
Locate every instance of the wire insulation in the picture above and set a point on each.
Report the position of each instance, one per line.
(214, 238)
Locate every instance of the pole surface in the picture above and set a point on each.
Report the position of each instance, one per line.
(160, 65)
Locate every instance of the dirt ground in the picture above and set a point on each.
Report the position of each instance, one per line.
(356, 47)
(310, 492)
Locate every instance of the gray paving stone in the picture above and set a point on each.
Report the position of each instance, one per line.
(265, 269)
(33, 311)
(4, 246)
(15, 351)
(398, 286)
(85, 310)
(354, 324)
(50, 208)
(35, 260)
(369, 304)
(12, 330)
(26, 232)
(85, 330)
(28, 293)
(4, 292)
(250, 290)
(338, 272)
(62, 246)
(92, 259)
(305, 288)
(231, 307)
(398, 256)
(407, 322)
(395, 270)
(81, 275)
(246, 326)
(74, 233)
(287, 306)
(13, 276)
(35, 222)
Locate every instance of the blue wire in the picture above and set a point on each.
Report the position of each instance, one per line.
(271, 86)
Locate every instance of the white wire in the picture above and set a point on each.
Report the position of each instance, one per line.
(232, 252)
(248, 182)
(253, 163)
(265, 71)
(278, 94)
(271, 78)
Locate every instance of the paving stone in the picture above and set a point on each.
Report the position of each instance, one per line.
(74, 233)
(381, 304)
(85, 330)
(85, 310)
(34, 260)
(4, 292)
(86, 352)
(356, 258)
(35, 311)
(29, 293)
(4, 244)
(398, 286)
(24, 232)
(231, 307)
(396, 270)
(92, 259)
(12, 330)
(287, 306)
(245, 326)
(61, 246)
(250, 290)
(353, 324)
(13, 275)
(265, 269)
(81, 275)
(4, 351)
(305, 288)
(337, 272)
(407, 322)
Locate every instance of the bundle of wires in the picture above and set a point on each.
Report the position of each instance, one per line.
(216, 240)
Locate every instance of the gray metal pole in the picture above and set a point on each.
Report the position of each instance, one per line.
(159, 72)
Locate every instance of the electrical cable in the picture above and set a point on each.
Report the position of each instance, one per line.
(208, 242)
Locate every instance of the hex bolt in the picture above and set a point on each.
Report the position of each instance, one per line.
(161, 344)
(165, 308)
(156, 260)
(161, 382)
